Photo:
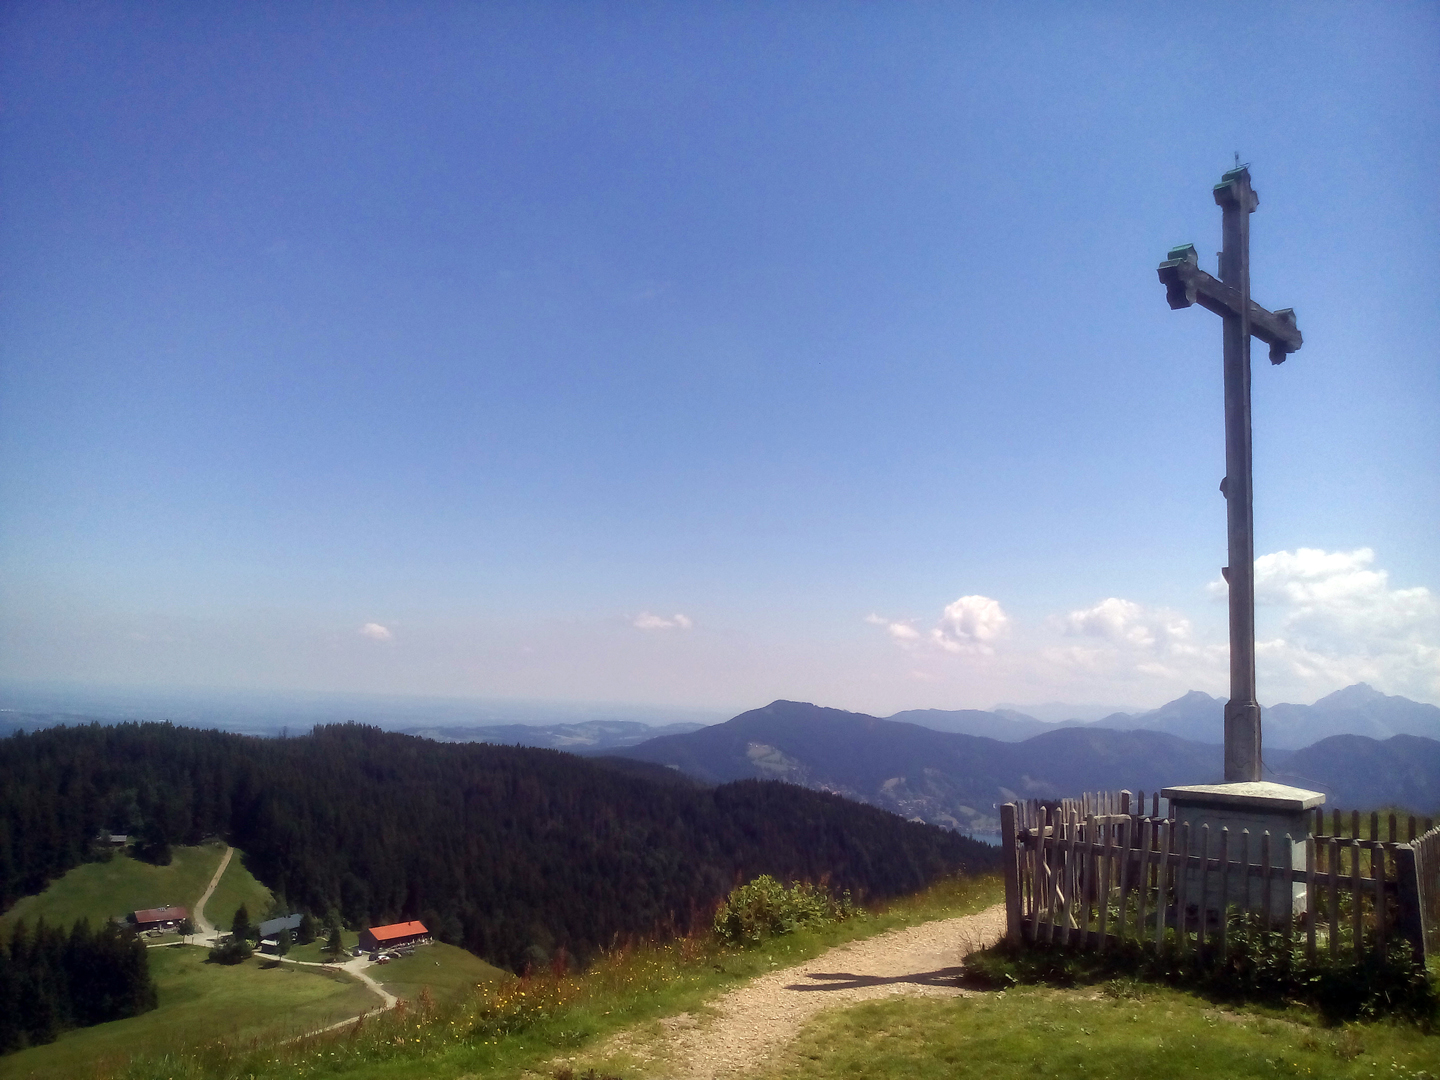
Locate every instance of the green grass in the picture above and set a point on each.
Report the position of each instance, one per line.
(449, 973)
(200, 1002)
(103, 890)
(237, 886)
(1122, 1031)
(317, 953)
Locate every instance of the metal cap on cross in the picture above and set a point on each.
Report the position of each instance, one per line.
(1229, 297)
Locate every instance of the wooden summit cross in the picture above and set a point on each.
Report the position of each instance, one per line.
(1229, 297)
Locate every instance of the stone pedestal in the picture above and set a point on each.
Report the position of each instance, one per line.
(1259, 807)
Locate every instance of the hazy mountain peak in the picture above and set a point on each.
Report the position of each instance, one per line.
(784, 707)
(1194, 697)
(1351, 697)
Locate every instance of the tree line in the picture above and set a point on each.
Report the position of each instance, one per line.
(512, 852)
(51, 981)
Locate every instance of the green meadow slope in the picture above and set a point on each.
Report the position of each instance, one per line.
(447, 973)
(236, 887)
(259, 1001)
(104, 890)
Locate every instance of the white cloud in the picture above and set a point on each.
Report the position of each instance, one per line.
(1325, 620)
(1129, 639)
(375, 632)
(1126, 622)
(972, 624)
(646, 621)
(1340, 622)
(901, 631)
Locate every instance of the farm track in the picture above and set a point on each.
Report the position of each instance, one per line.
(356, 969)
(202, 924)
(749, 1025)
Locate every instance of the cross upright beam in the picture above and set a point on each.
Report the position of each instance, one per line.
(1229, 297)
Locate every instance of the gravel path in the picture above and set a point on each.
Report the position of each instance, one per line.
(752, 1022)
(202, 924)
(356, 969)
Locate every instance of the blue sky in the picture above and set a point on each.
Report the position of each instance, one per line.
(703, 354)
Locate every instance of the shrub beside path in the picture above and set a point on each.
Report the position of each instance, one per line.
(749, 1024)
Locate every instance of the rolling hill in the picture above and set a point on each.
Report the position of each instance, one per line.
(957, 780)
(944, 778)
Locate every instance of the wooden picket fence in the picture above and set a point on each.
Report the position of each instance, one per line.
(1099, 869)
(1427, 869)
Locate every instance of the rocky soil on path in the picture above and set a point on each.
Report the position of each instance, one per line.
(748, 1025)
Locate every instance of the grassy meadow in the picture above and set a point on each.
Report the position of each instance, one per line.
(476, 1021)
(104, 890)
(254, 1002)
(1118, 1031)
(316, 952)
(513, 1027)
(237, 886)
(450, 974)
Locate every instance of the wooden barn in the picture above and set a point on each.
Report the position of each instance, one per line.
(388, 937)
(158, 918)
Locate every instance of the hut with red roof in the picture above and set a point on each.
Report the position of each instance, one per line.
(388, 937)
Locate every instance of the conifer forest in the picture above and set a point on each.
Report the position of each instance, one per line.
(514, 853)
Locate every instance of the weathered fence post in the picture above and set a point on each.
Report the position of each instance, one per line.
(1356, 896)
(1012, 872)
(1410, 921)
(1312, 897)
(1224, 890)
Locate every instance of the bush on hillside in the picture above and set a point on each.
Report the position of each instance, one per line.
(765, 908)
(235, 951)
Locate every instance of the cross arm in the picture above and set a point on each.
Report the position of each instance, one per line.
(1185, 284)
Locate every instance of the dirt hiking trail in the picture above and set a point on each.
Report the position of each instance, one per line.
(203, 925)
(751, 1023)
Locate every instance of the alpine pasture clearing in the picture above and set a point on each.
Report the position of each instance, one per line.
(236, 886)
(257, 1001)
(316, 952)
(104, 890)
(449, 973)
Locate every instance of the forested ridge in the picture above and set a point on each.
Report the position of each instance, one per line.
(512, 852)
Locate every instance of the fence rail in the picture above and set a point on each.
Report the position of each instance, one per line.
(1098, 870)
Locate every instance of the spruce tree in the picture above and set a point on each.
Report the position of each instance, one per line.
(240, 925)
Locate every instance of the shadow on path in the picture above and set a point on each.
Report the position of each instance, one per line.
(844, 980)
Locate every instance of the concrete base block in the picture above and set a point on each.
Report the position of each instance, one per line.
(1258, 807)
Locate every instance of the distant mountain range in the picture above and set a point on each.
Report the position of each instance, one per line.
(1356, 710)
(958, 779)
(952, 767)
